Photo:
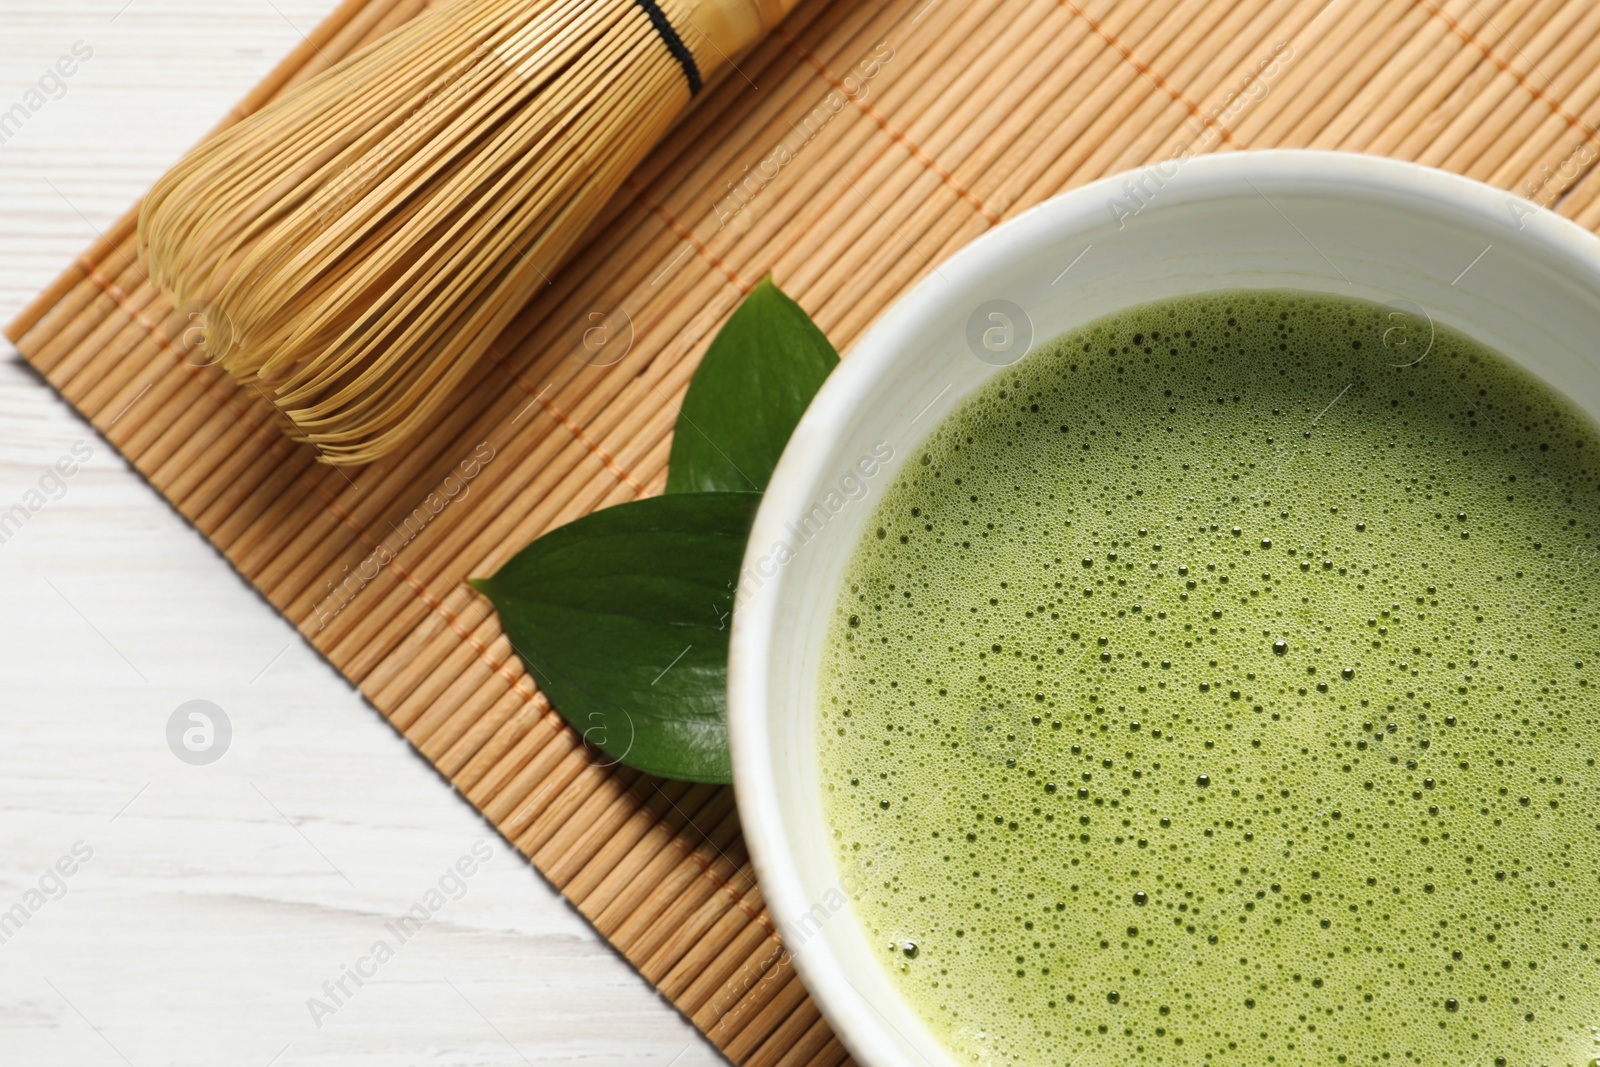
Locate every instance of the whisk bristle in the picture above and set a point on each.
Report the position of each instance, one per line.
(359, 243)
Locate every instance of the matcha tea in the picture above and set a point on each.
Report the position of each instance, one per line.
(1212, 689)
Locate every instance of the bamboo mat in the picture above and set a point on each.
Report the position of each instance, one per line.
(911, 127)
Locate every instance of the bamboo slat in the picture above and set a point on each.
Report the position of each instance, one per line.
(974, 111)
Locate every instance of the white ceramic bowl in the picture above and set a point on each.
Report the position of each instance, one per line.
(1433, 245)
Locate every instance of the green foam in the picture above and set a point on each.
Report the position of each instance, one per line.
(1228, 541)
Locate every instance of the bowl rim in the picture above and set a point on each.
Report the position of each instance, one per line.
(1372, 179)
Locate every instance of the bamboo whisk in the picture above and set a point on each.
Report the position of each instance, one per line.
(357, 244)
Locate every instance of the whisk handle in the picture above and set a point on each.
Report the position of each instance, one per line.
(733, 25)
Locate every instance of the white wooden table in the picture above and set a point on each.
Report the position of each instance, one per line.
(218, 899)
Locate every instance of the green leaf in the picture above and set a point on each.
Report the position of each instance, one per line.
(747, 395)
(622, 617)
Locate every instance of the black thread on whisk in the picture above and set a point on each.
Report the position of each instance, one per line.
(669, 37)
